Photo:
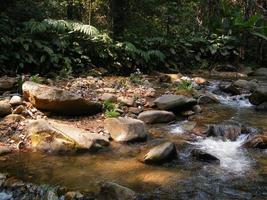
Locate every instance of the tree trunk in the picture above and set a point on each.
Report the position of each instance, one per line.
(118, 13)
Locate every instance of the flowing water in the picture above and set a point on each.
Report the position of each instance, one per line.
(241, 174)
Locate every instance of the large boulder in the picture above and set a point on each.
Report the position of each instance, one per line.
(58, 100)
(110, 190)
(257, 141)
(174, 103)
(156, 116)
(53, 137)
(259, 96)
(162, 153)
(125, 129)
(260, 72)
(5, 108)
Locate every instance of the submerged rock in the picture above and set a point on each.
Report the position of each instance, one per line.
(175, 103)
(49, 136)
(124, 129)
(156, 116)
(5, 108)
(110, 190)
(58, 100)
(259, 96)
(202, 156)
(162, 153)
(257, 141)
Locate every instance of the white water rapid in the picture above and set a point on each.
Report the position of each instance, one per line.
(232, 157)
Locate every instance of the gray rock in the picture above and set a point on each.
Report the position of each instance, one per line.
(125, 129)
(50, 136)
(204, 156)
(156, 116)
(110, 190)
(15, 100)
(109, 97)
(5, 108)
(245, 85)
(259, 96)
(126, 100)
(58, 100)
(261, 72)
(174, 103)
(207, 99)
(162, 153)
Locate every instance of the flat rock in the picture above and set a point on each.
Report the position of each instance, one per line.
(126, 100)
(50, 136)
(108, 97)
(124, 129)
(5, 108)
(174, 103)
(156, 116)
(162, 153)
(58, 100)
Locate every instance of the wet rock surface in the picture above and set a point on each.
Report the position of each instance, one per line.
(202, 156)
(159, 154)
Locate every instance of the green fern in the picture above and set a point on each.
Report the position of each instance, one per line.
(61, 26)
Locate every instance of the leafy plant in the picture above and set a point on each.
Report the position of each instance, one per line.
(185, 85)
(110, 109)
(36, 78)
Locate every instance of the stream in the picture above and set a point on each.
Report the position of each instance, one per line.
(241, 174)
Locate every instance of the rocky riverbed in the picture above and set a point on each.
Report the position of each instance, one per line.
(162, 136)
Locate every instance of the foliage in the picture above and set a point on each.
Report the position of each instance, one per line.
(185, 85)
(35, 78)
(110, 110)
(61, 37)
